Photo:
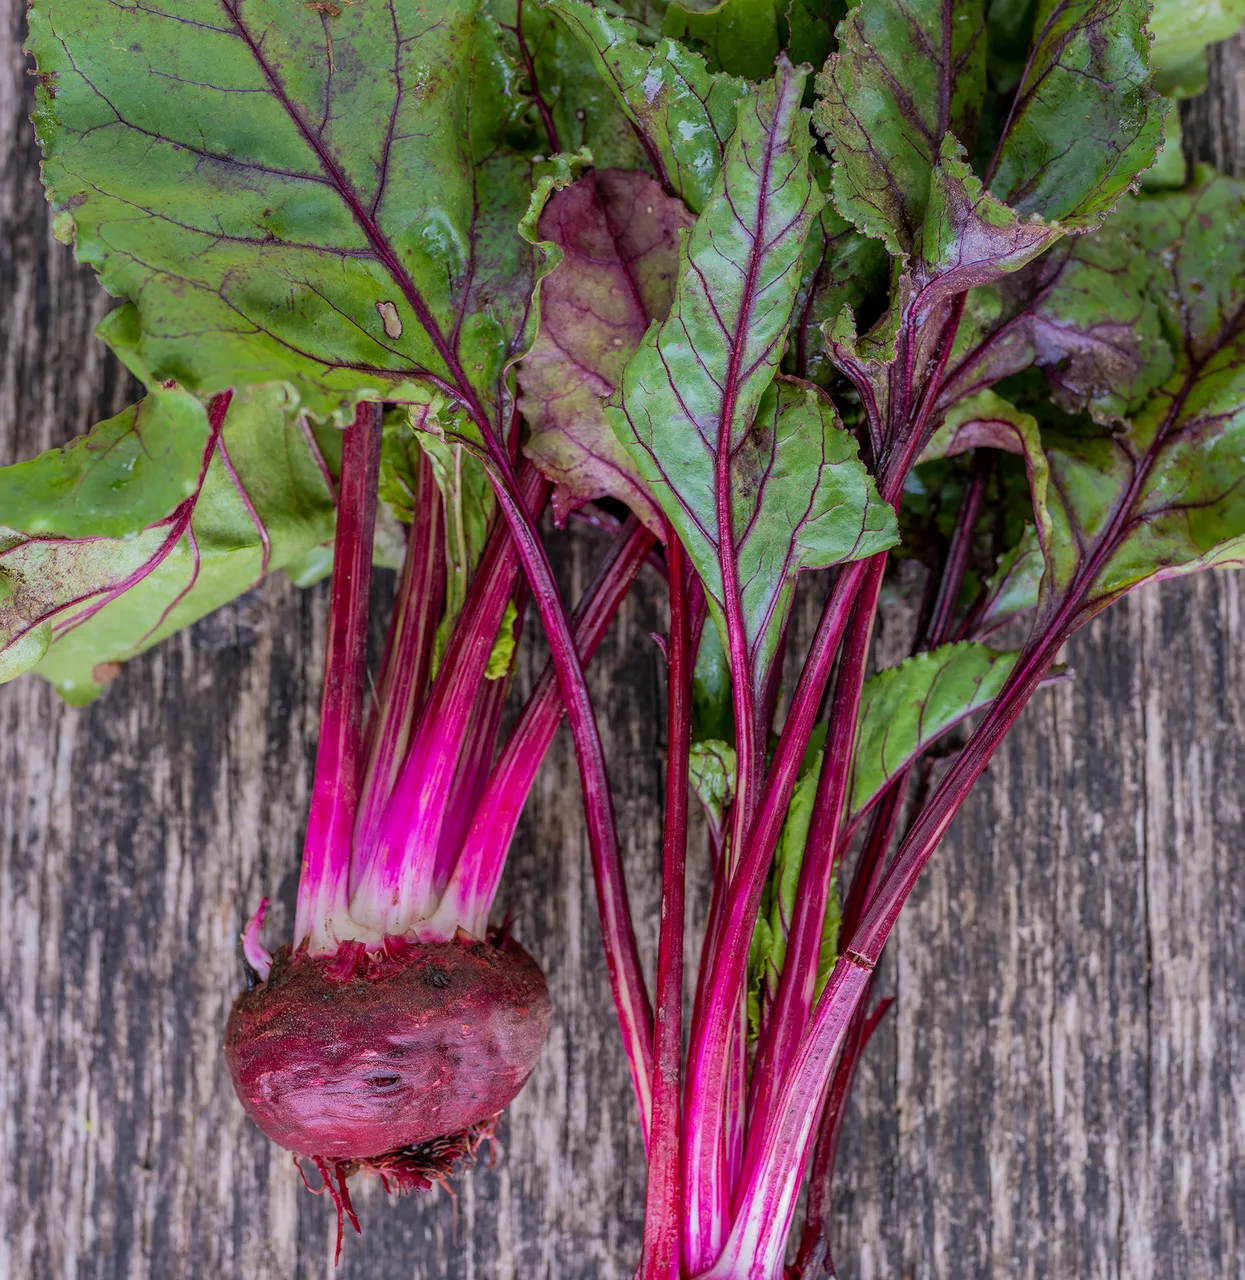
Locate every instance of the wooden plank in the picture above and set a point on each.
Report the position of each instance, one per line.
(1055, 1094)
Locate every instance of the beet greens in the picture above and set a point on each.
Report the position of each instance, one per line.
(807, 287)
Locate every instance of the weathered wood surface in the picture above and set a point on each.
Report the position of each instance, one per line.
(1058, 1092)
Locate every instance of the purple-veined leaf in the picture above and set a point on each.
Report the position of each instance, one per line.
(322, 195)
(968, 240)
(576, 107)
(841, 268)
(1083, 314)
(903, 77)
(618, 233)
(1160, 493)
(905, 708)
(1165, 495)
(1015, 586)
(1084, 121)
(682, 111)
(261, 495)
(712, 776)
(128, 473)
(743, 466)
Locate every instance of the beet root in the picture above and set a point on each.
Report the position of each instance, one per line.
(361, 1057)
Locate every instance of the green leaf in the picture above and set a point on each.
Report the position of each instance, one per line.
(131, 471)
(1015, 587)
(702, 385)
(468, 498)
(584, 109)
(319, 195)
(683, 111)
(739, 37)
(968, 240)
(773, 928)
(1181, 31)
(905, 708)
(1085, 121)
(987, 421)
(1164, 496)
(263, 497)
(811, 25)
(1083, 314)
(840, 268)
(311, 567)
(903, 77)
(618, 235)
(1171, 169)
(500, 658)
(713, 713)
(712, 773)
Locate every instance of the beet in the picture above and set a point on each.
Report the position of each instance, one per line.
(361, 1056)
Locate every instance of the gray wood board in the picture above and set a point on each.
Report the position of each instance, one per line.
(1056, 1093)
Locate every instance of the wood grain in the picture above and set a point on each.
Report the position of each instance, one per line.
(1057, 1092)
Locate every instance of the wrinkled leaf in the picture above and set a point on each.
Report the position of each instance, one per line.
(618, 233)
(903, 77)
(262, 498)
(1085, 121)
(584, 110)
(317, 194)
(684, 111)
(1165, 495)
(903, 709)
(1083, 314)
(131, 471)
(968, 240)
(698, 397)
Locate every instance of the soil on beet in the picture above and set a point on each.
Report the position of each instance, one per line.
(353, 1056)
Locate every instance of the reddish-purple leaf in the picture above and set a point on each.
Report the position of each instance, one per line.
(620, 253)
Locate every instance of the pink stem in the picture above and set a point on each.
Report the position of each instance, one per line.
(408, 656)
(662, 1257)
(826, 1151)
(719, 992)
(392, 886)
(759, 1235)
(474, 765)
(757, 1243)
(326, 854)
(469, 896)
(622, 956)
(822, 850)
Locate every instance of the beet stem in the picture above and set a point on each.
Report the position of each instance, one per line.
(622, 956)
(326, 854)
(469, 896)
(392, 883)
(662, 1256)
(408, 655)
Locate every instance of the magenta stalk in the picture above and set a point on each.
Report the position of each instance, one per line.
(662, 1255)
(322, 887)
